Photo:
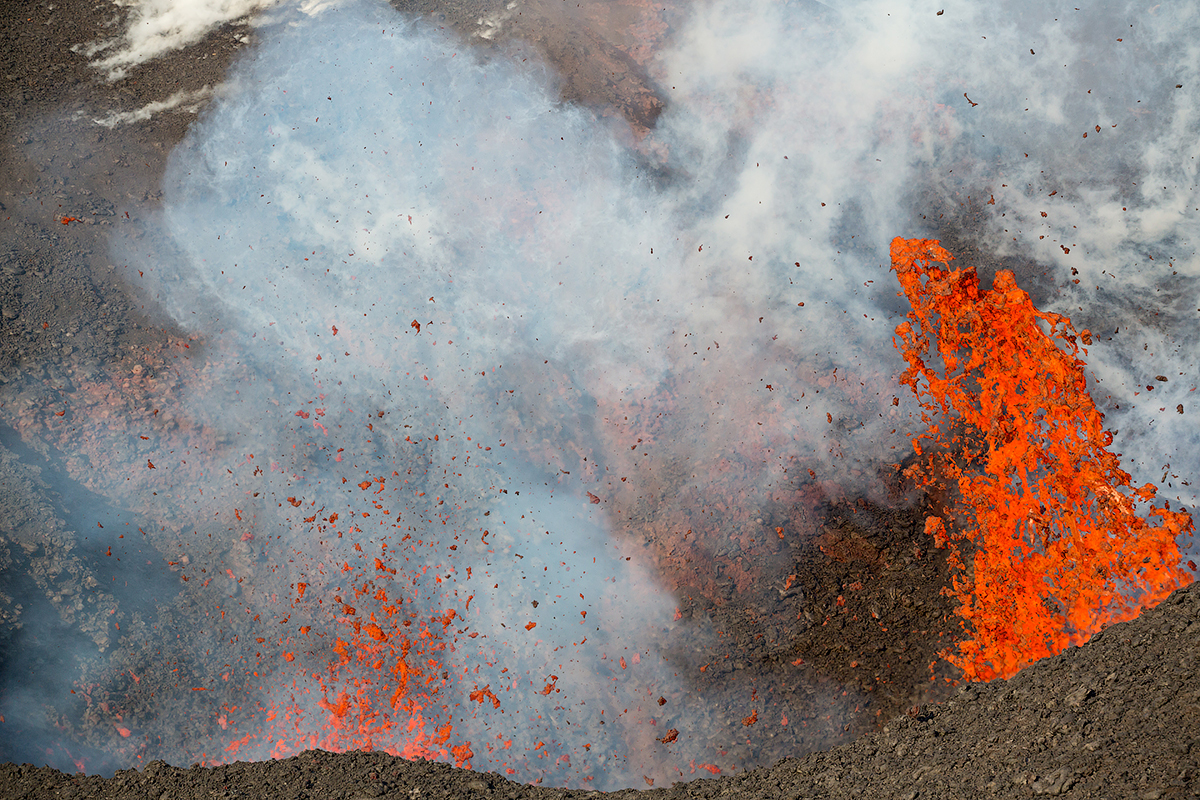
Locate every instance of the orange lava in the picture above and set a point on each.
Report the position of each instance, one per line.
(1018, 449)
(371, 687)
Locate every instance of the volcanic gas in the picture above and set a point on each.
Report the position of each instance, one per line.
(523, 390)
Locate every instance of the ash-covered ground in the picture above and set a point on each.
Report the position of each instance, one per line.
(813, 626)
(1116, 718)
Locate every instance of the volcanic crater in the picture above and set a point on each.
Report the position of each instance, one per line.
(799, 647)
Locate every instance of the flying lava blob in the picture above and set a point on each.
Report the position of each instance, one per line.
(1018, 449)
(372, 683)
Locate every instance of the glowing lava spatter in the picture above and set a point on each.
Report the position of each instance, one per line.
(361, 666)
(1060, 550)
(376, 679)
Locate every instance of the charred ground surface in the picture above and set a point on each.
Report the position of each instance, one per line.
(1116, 718)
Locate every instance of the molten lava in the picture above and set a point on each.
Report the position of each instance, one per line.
(380, 679)
(1018, 448)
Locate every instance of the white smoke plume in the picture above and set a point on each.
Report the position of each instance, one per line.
(156, 27)
(374, 220)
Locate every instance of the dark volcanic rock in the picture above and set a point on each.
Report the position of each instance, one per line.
(1116, 718)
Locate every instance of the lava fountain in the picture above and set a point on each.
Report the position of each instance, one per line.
(1060, 551)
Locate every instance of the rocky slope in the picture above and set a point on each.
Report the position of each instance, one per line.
(1116, 718)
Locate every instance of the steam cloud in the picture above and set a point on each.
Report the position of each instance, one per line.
(156, 27)
(364, 172)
